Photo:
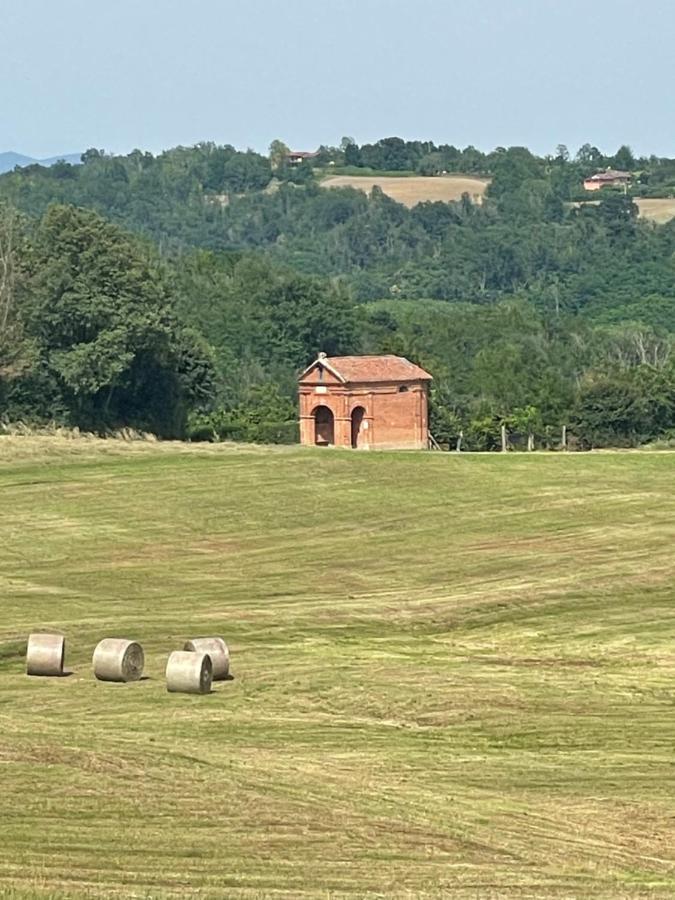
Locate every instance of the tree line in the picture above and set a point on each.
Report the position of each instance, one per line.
(427, 158)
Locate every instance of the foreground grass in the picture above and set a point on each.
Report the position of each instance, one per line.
(453, 676)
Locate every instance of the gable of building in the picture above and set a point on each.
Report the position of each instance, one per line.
(319, 373)
(364, 370)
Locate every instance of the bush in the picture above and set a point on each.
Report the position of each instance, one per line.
(266, 417)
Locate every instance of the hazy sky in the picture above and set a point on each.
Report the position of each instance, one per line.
(137, 73)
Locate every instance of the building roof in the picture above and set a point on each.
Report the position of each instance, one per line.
(609, 175)
(302, 154)
(365, 369)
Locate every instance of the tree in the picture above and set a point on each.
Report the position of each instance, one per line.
(92, 155)
(445, 424)
(431, 164)
(512, 168)
(278, 154)
(305, 316)
(100, 315)
(8, 267)
(526, 420)
(624, 159)
(590, 156)
(15, 349)
(625, 408)
(618, 213)
(562, 154)
(352, 155)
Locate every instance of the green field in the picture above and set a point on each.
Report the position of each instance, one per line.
(454, 676)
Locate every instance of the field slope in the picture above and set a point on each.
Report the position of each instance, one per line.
(655, 209)
(415, 188)
(453, 676)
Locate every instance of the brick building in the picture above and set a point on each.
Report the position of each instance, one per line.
(365, 402)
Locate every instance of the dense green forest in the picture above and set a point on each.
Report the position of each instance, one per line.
(181, 293)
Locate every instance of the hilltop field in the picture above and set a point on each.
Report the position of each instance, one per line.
(414, 189)
(656, 209)
(453, 676)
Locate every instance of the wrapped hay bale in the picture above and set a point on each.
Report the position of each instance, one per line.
(45, 654)
(188, 672)
(116, 659)
(217, 650)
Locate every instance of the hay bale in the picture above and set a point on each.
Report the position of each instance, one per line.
(116, 659)
(188, 672)
(45, 654)
(217, 650)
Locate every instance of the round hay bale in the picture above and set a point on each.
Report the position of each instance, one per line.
(116, 659)
(188, 672)
(217, 650)
(45, 654)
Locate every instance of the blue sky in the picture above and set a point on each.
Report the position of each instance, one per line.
(129, 73)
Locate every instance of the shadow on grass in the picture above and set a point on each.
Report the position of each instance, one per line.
(65, 674)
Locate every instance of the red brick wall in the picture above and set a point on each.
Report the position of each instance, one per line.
(393, 419)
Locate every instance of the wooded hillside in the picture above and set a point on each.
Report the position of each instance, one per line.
(181, 293)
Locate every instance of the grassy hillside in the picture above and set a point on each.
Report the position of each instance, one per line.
(453, 676)
(416, 188)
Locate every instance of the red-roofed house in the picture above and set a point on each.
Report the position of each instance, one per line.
(295, 157)
(365, 402)
(608, 178)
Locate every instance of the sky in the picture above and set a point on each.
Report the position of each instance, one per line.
(135, 73)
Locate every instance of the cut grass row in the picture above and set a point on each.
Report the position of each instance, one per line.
(453, 676)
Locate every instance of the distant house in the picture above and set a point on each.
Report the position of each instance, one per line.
(608, 178)
(295, 157)
(365, 402)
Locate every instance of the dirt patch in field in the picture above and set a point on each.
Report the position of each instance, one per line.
(416, 189)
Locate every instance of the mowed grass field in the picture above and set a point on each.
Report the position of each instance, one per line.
(453, 676)
(415, 188)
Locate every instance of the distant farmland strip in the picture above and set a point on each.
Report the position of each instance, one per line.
(419, 188)
(415, 189)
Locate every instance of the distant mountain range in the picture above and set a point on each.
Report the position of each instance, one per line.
(10, 159)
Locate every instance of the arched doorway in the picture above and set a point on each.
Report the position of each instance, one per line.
(357, 421)
(324, 426)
